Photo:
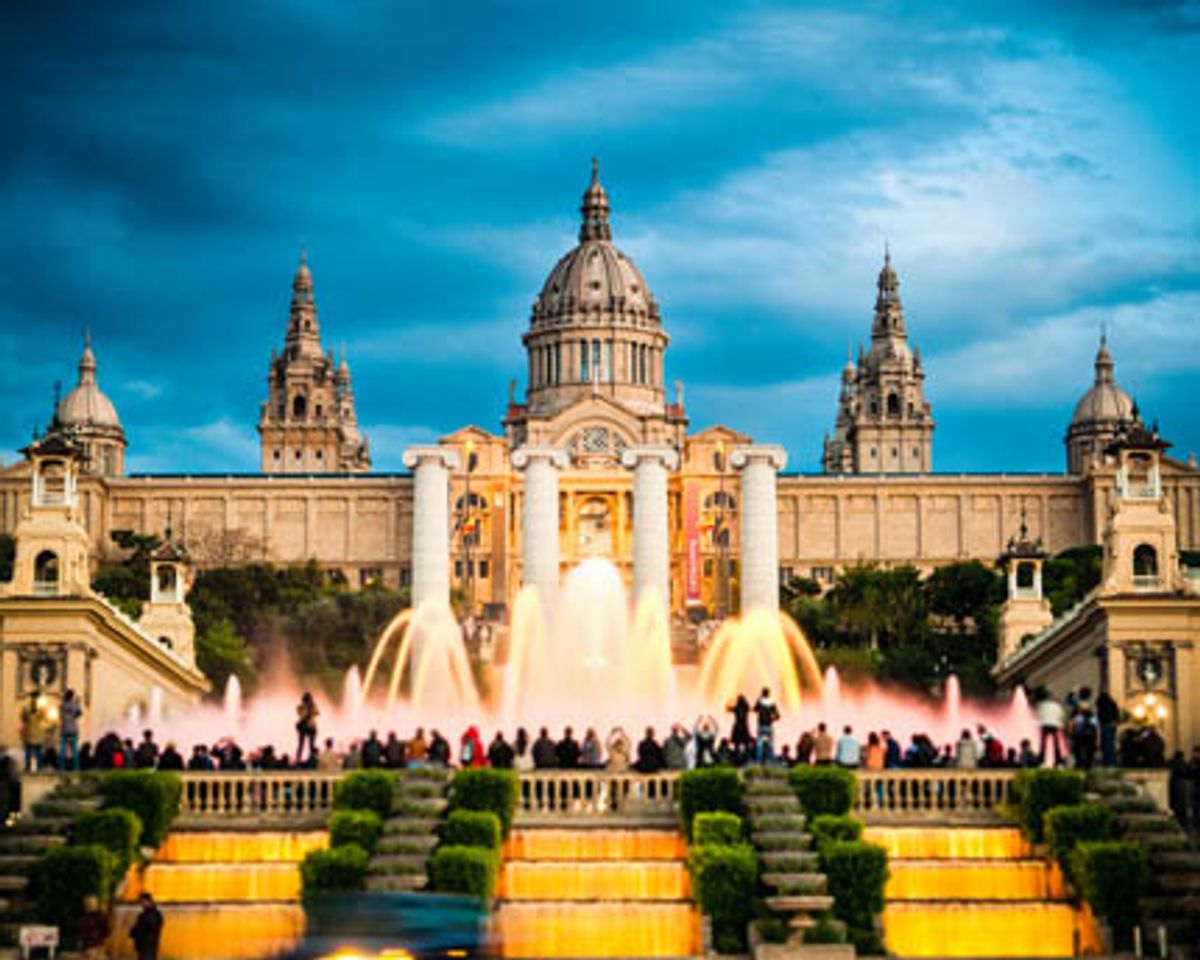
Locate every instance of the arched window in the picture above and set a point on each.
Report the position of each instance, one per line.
(893, 405)
(45, 573)
(1024, 576)
(166, 579)
(1145, 566)
(299, 406)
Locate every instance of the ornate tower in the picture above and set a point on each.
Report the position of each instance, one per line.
(167, 616)
(88, 418)
(1103, 413)
(308, 424)
(595, 328)
(884, 423)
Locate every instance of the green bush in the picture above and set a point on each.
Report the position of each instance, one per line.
(773, 930)
(1111, 877)
(1067, 827)
(711, 790)
(334, 870)
(717, 827)
(485, 789)
(1036, 791)
(823, 790)
(360, 827)
(827, 827)
(825, 931)
(152, 795)
(116, 830)
(855, 873)
(467, 870)
(63, 877)
(723, 882)
(371, 790)
(472, 828)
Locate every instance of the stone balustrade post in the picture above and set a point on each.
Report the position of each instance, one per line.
(760, 524)
(539, 519)
(651, 531)
(431, 468)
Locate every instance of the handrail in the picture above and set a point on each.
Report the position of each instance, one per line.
(257, 793)
(593, 793)
(932, 794)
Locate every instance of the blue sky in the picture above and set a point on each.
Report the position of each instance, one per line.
(1034, 166)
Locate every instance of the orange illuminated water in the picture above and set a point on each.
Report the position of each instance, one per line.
(596, 893)
(222, 894)
(976, 892)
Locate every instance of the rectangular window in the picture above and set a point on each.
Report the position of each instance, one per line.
(595, 374)
(483, 569)
(558, 363)
(406, 576)
(584, 366)
(458, 569)
(632, 348)
(608, 360)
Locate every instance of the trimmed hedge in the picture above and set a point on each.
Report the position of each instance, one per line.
(709, 790)
(483, 788)
(823, 790)
(151, 794)
(856, 874)
(467, 870)
(360, 827)
(1111, 877)
(472, 828)
(116, 830)
(717, 827)
(63, 877)
(334, 870)
(723, 882)
(371, 790)
(827, 828)
(1037, 791)
(1067, 827)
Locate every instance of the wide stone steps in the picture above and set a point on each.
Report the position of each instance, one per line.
(781, 840)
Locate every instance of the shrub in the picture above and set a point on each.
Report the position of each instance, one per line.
(486, 789)
(1111, 876)
(360, 827)
(717, 827)
(371, 790)
(152, 795)
(723, 880)
(711, 790)
(827, 827)
(63, 877)
(1036, 791)
(467, 870)
(1067, 827)
(773, 930)
(334, 870)
(823, 790)
(825, 931)
(116, 830)
(472, 828)
(855, 873)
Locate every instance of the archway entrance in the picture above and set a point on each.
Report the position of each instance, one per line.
(595, 529)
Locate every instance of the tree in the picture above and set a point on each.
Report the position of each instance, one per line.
(221, 652)
(963, 592)
(1071, 576)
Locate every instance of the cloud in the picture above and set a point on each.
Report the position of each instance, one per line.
(390, 440)
(219, 446)
(144, 389)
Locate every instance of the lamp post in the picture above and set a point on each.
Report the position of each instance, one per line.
(466, 532)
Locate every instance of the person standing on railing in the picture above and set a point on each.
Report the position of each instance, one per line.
(767, 714)
(306, 725)
(740, 735)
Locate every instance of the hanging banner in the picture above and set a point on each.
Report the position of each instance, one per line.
(691, 543)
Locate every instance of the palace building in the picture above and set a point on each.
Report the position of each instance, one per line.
(599, 459)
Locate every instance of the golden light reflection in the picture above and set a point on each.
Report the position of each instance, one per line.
(595, 845)
(230, 931)
(239, 847)
(659, 880)
(950, 843)
(619, 929)
(950, 929)
(206, 882)
(975, 880)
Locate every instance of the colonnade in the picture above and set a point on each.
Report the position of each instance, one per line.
(651, 466)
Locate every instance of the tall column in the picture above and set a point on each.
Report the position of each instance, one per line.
(539, 518)
(431, 468)
(760, 524)
(651, 534)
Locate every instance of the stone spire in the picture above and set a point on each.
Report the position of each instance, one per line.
(303, 333)
(1104, 362)
(87, 361)
(889, 313)
(595, 209)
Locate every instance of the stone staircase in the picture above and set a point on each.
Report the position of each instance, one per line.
(1172, 899)
(22, 844)
(790, 867)
(401, 858)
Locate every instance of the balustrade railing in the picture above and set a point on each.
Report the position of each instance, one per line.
(302, 794)
(597, 793)
(897, 794)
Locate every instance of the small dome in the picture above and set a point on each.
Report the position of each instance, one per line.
(86, 404)
(595, 276)
(1104, 401)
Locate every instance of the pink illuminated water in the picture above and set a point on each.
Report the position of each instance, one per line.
(596, 662)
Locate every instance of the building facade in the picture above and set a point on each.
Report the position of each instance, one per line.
(597, 431)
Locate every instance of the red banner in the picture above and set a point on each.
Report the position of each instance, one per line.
(691, 541)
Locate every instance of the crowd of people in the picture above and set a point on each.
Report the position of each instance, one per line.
(1082, 732)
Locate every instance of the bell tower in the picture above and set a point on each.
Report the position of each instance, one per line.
(1026, 611)
(167, 616)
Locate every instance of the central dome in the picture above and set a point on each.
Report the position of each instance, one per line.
(86, 405)
(595, 278)
(1104, 401)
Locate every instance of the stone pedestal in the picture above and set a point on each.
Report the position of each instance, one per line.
(651, 532)
(539, 519)
(760, 524)
(431, 468)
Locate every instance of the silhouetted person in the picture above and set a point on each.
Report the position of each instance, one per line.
(740, 735)
(146, 932)
(170, 759)
(145, 757)
(439, 750)
(306, 725)
(567, 751)
(649, 754)
(545, 757)
(372, 751)
(500, 755)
